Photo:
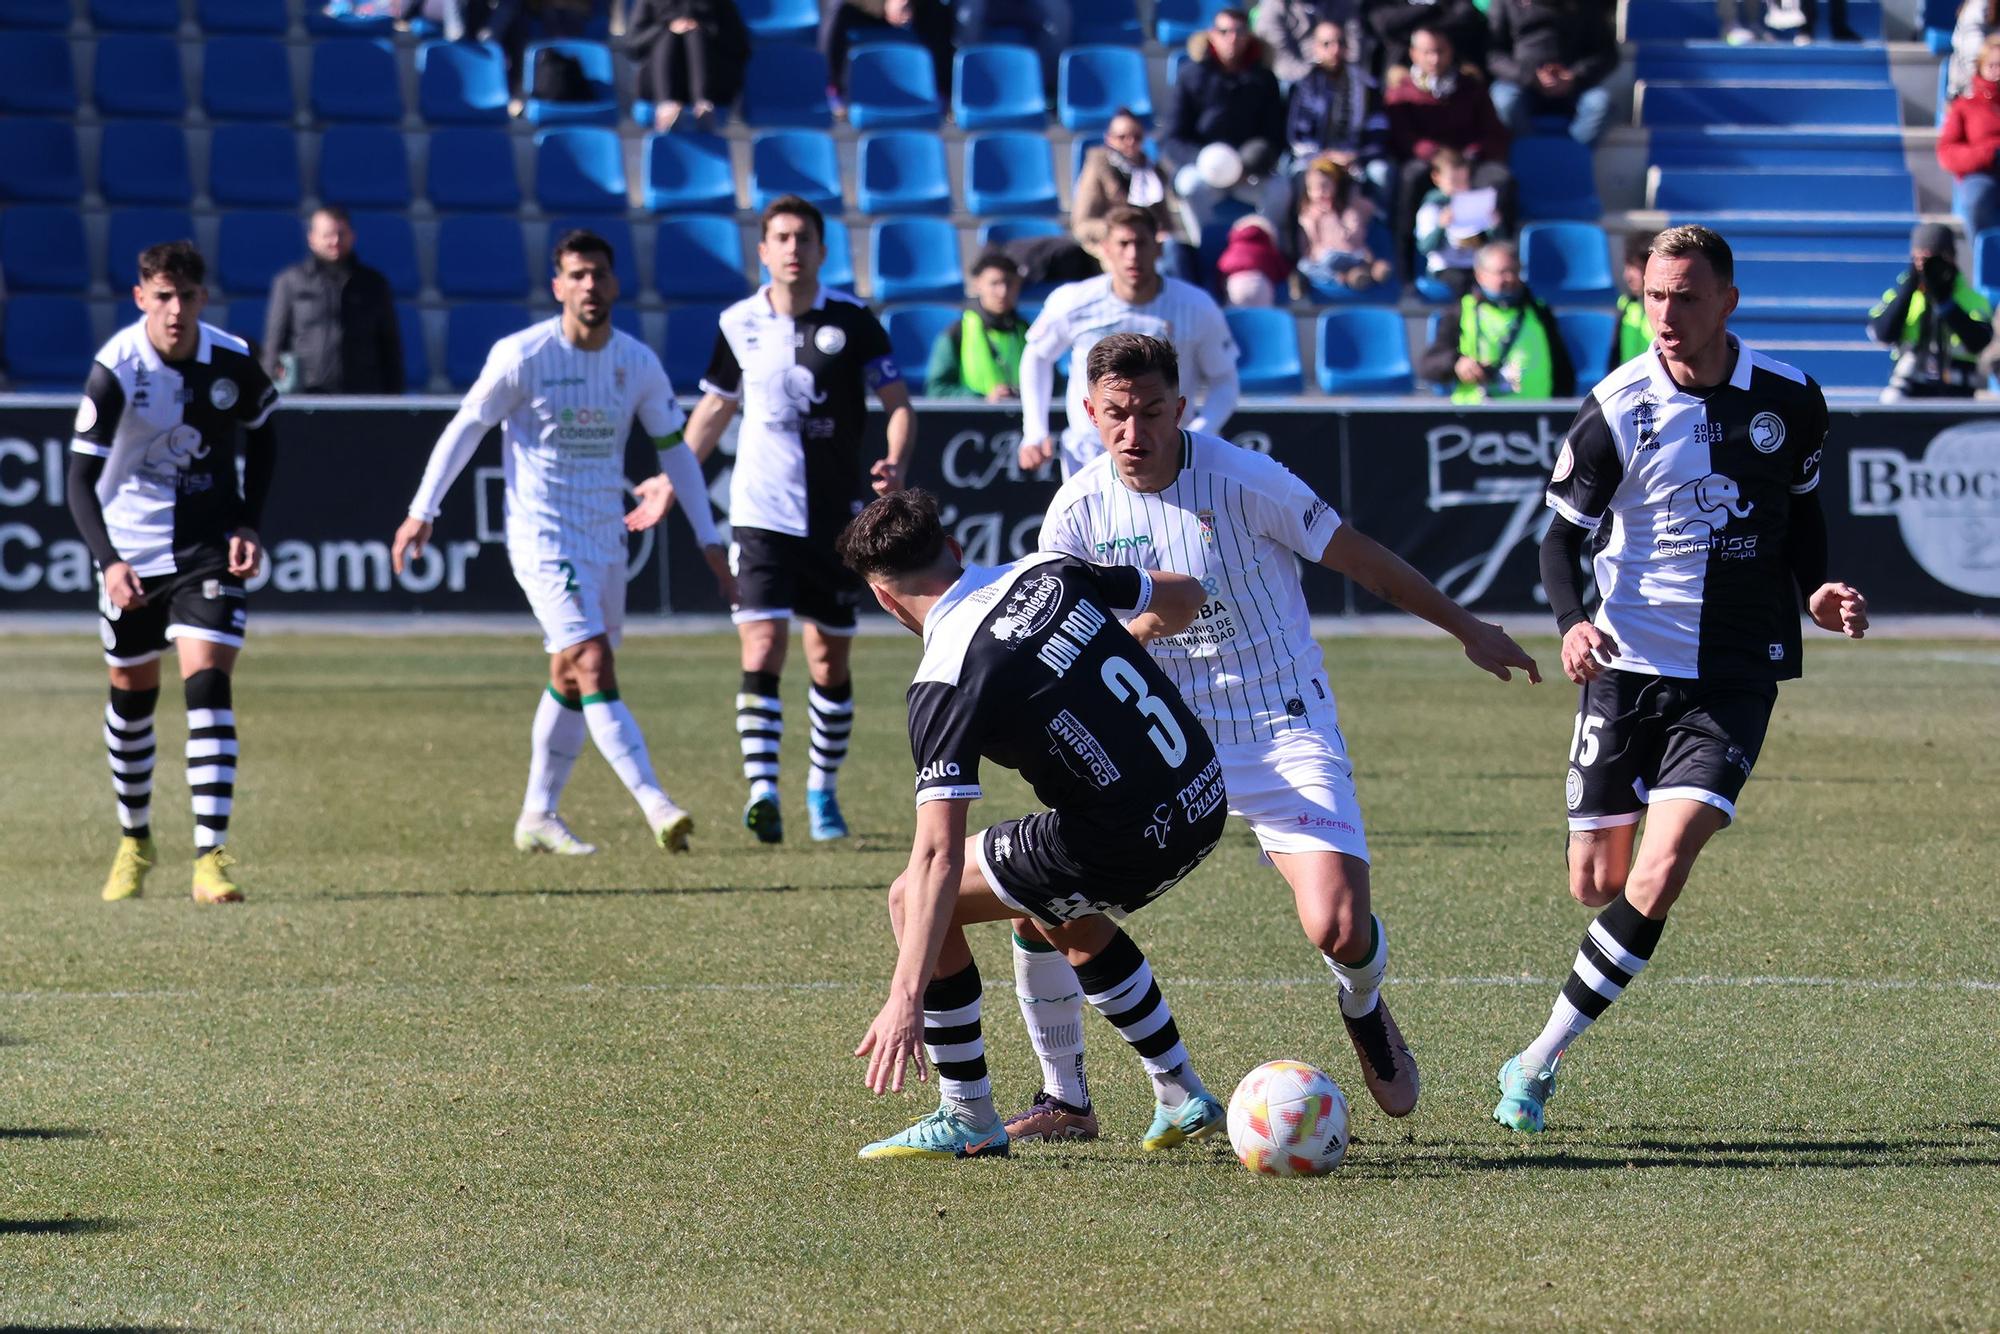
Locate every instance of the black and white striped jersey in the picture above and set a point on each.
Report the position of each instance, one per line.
(1234, 519)
(1026, 665)
(1697, 487)
(168, 434)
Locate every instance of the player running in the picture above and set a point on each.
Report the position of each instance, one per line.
(1164, 498)
(800, 360)
(564, 393)
(153, 491)
(1132, 297)
(1026, 665)
(1704, 454)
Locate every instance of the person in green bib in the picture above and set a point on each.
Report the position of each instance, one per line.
(980, 356)
(1934, 321)
(1633, 333)
(1498, 341)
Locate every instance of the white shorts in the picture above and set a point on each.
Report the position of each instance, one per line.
(1296, 792)
(573, 600)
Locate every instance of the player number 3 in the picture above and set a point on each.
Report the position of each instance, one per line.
(1125, 683)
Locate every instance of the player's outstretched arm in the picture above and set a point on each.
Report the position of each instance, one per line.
(920, 909)
(1177, 600)
(707, 423)
(449, 456)
(1038, 382)
(1392, 579)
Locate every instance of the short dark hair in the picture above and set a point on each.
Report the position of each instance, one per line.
(1242, 16)
(1694, 239)
(1131, 215)
(898, 534)
(1638, 245)
(334, 211)
(578, 241)
(995, 259)
(178, 260)
(1437, 35)
(795, 207)
(1129, 356)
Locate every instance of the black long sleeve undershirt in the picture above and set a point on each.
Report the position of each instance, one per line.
(1805, 543)
(87, 511)
(1562, 553)
(260, 461)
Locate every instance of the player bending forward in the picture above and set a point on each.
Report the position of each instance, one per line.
(1705, 457)
(564, 394)
(1249, 668)
(1026, 665)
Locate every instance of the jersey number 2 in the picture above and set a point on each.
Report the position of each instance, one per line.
(1125, 684)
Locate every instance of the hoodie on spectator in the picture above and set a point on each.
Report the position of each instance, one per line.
(1213, 104)
(1971, 130)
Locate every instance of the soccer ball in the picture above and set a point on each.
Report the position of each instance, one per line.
(1288, 1119)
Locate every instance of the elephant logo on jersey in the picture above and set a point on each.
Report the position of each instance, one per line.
(793, 394)
(1767, 432)
(1698, 510)
(173, 451)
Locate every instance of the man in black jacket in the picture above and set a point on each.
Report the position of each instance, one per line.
(331, 324)
(1552, 56)
(1225, 94)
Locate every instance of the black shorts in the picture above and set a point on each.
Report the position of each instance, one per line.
(1640, 738)
(205, 603)
(779, 575)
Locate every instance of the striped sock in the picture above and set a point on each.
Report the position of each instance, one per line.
(760, 726)
(831, 711)
(955, 1044)
(211, 755)
(1615, 951)
(128, 737)
(1119, 985)
(554, 746)
(1052, 1008)
(623, 747)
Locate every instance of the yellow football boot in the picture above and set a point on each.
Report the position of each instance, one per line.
(212, 883)
(128, 870)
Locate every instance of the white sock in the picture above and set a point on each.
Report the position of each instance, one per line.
(1361, 983)
(1566, 1023)
(1052, 1008)
(619, 740)
(554, 744)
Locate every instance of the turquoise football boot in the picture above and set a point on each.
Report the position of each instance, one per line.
(943, 1134)
(1197, 1118)
(1524, 1095)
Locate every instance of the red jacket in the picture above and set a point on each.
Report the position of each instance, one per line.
(1419, 124)
(1971, 130)
(1253, 248)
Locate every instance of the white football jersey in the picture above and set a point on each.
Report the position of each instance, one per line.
(1234, 519)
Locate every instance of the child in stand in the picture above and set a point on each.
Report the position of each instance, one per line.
(1333, 231)
(1448, 246)
(1253, 266)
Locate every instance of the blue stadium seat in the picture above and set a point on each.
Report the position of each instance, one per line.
(36, 77)
(462, 83)
(1761, 323)
(38, 161)
(364, 166)
(130, 230)
(1588, 334)
(780, 20)
(1567, 263)
(135, 15)
(143, 162)
(17, 14)
(1363, 350)
(617, 233)
(385, 241)
(912, 330)
(251, 247)
(1009, 171)
(689, 173)
(795, 162)
(601, 108)
(416, 351)
(41, 249)
(902, 171)
(1174, 21)
(698, 258)
(245, 318)
(246, 78)
(48, 342)
(138, 74)
(689, 344)
(356, 80)
(890, 85)
(254, 165)
(1671, 102)
(1267, 341)
(915, 259)
(1106, 22)
(998, 87)
(471, 168)
(580, 170)
(1986, 259)
(1554, 179)
(1671, 20)
(785, 86)
(347, 21)
(1094, 81)
(1818, 278)
(266, 16)
(481, 255)
(470, 331)
(999, 231)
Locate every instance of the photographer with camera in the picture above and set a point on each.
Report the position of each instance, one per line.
(1498, 341)
(1934, 320)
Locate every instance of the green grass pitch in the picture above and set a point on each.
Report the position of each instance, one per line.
(419, 1080)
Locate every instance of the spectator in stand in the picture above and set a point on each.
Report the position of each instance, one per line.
(1443, 105)
(1392, 24)
(1252, 265)
(928, 23)
(1969, 140)
(1498, 341)
(690, 56)
(1287, 28)
(330, 326)
(1977, 21)
(1116, 173)
(1225, 95)
(1449, 246)
(980, 356)
(1633, 333)
(1333, 218)
(1935, 322)
(1551, 57)
(1048, 20)
(1335, 112)
(1793, 20)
